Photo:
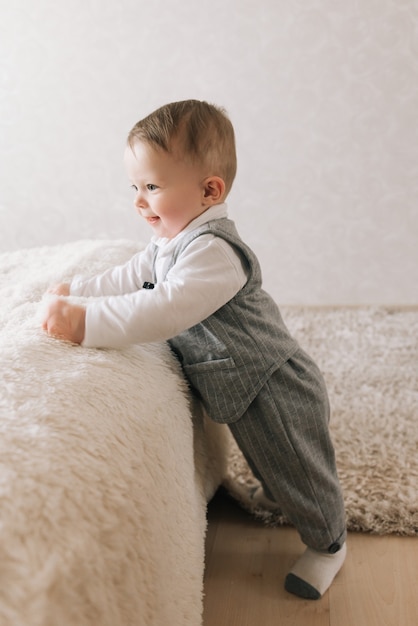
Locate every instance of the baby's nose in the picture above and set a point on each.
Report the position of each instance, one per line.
(139, 201)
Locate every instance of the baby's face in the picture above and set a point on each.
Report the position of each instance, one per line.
(169, 193)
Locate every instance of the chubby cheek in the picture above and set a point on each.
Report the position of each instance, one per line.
(168, 214)
(171, 228)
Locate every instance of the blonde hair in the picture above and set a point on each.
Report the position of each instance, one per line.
(193, 130)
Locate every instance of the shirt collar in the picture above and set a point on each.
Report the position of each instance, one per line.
(215, 212)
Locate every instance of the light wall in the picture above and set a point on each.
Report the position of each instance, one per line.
(323, 96)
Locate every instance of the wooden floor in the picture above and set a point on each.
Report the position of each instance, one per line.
(246, 564)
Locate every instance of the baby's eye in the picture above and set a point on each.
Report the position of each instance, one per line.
(151, 187)
(134, 187)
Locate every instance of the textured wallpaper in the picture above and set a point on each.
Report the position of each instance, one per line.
(323, 96)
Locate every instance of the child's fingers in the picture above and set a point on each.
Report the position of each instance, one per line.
(52, 320)
(64, 321)
(61, 289)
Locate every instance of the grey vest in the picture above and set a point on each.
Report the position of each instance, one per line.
(230, 355)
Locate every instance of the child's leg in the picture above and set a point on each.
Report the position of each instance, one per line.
(285, 438)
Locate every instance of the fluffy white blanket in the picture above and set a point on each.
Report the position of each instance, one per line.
(103, 478)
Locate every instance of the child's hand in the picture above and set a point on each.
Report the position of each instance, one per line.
(65, 321)
(62, 289)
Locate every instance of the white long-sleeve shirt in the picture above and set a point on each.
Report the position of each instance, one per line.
(206, 276)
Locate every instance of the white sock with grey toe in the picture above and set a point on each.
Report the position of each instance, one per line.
(314, 572)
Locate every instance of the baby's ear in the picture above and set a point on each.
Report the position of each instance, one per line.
(214, 189)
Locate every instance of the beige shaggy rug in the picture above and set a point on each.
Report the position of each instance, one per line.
(369, 357)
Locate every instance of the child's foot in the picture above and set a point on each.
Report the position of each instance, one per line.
(314, 572)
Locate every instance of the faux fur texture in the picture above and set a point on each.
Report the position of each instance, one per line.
(102, 490)
(369, 357)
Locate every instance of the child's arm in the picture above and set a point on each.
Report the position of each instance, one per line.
(65, 321)
(206, 276)
(118, 280)
(114, 281)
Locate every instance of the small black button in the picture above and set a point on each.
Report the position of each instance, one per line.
(334, 547)
(148, 285)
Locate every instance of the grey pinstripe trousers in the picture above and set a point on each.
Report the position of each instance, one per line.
(285, 439)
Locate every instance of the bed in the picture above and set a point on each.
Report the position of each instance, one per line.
(106, 465)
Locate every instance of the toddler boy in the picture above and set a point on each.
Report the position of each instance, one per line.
(198, 286)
